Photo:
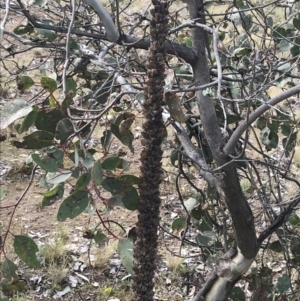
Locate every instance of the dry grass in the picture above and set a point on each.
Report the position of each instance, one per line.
(173, 262)
(57, 273)
(102, 255)
(54, 249)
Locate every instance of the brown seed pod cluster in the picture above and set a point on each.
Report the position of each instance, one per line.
(153, 130)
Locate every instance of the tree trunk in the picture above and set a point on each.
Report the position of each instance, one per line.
(235, 263)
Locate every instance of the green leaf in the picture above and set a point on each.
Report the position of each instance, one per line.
(296, 23)
(47, 121)
(233, 118)
(206, 225)
(83, 181)
(99, 237)
(68, 100)
(125, 136)
(131, 199)
(283, 283)
(71, 85)
(279, 33)
(121, 129)
(295, 247)
(26, 249)
(289, 143)
(295, 50)
(197, 213)
(9, 289)
(273, 140)
(9, 270)
(129, 180)
(48, 34)
(53, 195)
(275, 246)
(24, 82)
(174, 157)
(54, 191)
(48, 84)
(269, 21)
(255, 29)
(237, 294)
(202, 240)
(21, 29)
(2, 192)
(240, 4)
(294, 220)
(40, 2)
(88, 161)
(56, 154)
(113, 185)
(239, 52)
(188, 42)
(140, 97)
(284, 45)
(64, 130)
(125, 251)
(73, 205)
(73, 44)
(284, 68)
(48, 164)
(246, 21)
(59, 177)
(28, 121)
(97, 173)
(286, 129)
(115, 201)
(37, 140)
(178, 224)
(111, 163)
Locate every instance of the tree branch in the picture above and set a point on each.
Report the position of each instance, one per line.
(231, 144)
(282, 217)
(111, 30)
(179, 50)
(190, 150)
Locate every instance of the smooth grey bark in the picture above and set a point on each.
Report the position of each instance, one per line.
(233, 196)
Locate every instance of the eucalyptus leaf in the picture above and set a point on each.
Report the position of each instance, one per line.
(26, 249)
(48, 164)
(73, 205)
(48, 34)
(64, 130)
(125, 251)
(48, 84)
(97, 173)
(202, 240)
(24, 82)
(131, 199)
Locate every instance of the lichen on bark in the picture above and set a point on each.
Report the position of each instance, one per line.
(145, 248)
